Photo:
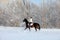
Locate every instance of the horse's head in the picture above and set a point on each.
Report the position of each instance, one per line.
(25, 20)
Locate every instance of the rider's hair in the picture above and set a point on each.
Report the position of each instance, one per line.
(30, 17)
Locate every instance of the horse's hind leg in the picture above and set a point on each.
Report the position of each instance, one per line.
(36, 29)
(39, 28)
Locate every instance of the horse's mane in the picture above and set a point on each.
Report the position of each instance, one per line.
(26, 20)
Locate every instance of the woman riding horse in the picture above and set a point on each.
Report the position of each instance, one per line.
(30, 21)
(35, 25)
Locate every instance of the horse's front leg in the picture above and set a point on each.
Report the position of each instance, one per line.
(29, 29)
(25, 28)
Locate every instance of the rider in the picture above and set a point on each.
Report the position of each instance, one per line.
(30, 21)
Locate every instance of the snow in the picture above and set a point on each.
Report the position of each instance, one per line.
(18, 33)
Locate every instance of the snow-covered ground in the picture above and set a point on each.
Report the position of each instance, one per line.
(18, 33)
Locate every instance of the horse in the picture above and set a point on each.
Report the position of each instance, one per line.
(35, 25)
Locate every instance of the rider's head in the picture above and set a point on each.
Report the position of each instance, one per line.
(30, 17)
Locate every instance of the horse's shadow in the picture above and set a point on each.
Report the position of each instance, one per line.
(35, 25)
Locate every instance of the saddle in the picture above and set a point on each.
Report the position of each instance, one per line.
(30, 23)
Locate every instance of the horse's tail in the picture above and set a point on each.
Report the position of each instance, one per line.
(39, 27)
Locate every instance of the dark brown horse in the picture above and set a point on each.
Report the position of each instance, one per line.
(35, 25)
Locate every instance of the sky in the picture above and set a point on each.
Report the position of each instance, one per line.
(35, 1)
(41, 1)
